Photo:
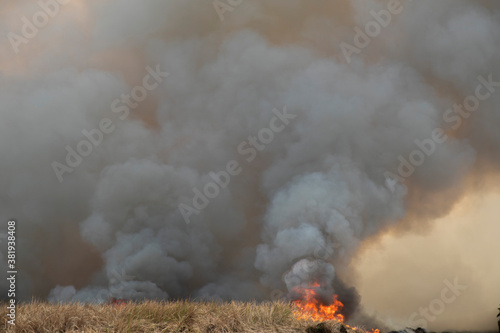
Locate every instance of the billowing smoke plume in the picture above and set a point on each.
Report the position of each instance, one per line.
(302, 203)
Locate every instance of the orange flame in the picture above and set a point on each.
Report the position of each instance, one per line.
(118, 302)
(310, 308)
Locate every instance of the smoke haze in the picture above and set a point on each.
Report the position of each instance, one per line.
(302, 208)
(401, 274)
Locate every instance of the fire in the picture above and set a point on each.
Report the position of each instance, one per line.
(310, 308)
(118, 302)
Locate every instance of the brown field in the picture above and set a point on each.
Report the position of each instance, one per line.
(178, 316)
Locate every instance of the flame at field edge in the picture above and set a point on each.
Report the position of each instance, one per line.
(309, 307)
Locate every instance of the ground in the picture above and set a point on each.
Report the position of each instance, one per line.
(180, 316)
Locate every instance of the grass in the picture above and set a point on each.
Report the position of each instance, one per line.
(177, 316)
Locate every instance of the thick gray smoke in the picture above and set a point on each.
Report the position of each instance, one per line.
(301, 207)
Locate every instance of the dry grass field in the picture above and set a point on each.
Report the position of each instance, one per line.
(178, 316)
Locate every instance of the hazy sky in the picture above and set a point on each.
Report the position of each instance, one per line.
(403, 273)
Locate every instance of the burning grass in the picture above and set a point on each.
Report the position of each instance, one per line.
(178, 316)
(309, 306)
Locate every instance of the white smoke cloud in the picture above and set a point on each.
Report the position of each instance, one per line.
(319, 185)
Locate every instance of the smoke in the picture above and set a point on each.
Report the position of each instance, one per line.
(301, 207)
(465, 241)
